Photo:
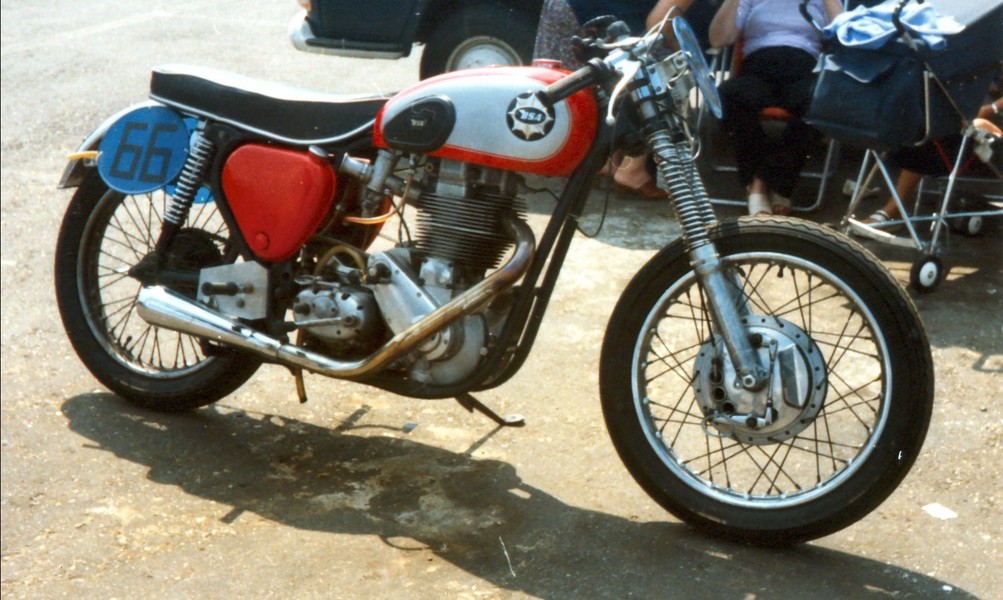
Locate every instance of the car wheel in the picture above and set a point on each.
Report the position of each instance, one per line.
(481, 35)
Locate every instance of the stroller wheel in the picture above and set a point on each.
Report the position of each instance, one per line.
(926, 274)
(969, 226)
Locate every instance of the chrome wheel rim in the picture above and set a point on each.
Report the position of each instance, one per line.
(803, 465)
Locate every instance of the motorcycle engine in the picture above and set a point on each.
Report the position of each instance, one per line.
(344, 316)
(458, 237)
(338, 313)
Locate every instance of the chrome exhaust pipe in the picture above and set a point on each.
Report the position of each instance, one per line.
(165, 308)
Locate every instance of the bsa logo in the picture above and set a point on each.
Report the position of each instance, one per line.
(528, 118)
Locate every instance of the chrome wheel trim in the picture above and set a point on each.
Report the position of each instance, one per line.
(482, 51)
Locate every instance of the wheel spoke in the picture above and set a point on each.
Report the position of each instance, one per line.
(671, 360)
(129, 226)
(794, 457)
(142, 233)
(771, 460)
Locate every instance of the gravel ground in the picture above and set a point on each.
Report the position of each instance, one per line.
(361, 494)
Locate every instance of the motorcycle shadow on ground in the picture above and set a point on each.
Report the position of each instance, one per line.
(478, 514)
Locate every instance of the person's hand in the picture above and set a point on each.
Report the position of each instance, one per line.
(993, 109)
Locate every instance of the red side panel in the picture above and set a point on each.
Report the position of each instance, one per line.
(278, 197)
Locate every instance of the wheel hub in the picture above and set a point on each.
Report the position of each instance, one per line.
(790, 401)
(191, 251)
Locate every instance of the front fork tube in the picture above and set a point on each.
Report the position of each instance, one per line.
(679, 175)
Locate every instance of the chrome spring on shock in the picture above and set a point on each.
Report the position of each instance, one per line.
(696, 183)
(726, 303)
(678, 173)
(192, 176)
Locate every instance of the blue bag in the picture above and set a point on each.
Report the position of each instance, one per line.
(869, 98)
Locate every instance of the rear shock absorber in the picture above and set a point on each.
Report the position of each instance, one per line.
(192, 175)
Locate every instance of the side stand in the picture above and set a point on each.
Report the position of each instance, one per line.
(471, 404)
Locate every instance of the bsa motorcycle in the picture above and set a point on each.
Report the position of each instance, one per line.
(764, 379)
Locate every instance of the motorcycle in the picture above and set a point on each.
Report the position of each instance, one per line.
(764, 379)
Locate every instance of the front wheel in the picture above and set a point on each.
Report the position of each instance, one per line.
(843, 415)
(105, 239)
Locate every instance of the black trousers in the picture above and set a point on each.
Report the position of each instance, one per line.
(779, 76)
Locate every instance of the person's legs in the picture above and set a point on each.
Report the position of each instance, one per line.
(787, 157)
(905, 187)
(759, 198)
(789, 72)
(742, 98)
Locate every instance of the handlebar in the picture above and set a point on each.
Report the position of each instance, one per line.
(591, 73)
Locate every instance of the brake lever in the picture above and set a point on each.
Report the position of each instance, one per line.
(628, 75)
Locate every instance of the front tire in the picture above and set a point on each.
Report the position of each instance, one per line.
(849, 408)
(479, 35)
(104, 235)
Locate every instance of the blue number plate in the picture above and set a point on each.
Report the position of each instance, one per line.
(143, 151)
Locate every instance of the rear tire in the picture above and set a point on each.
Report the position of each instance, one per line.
(104, 234)
(479, 35)
(857, 416)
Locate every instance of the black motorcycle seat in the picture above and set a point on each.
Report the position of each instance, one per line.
(277, 111)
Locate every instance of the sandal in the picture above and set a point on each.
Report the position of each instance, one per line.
(759, 205)
(878, 217)
(871, 226)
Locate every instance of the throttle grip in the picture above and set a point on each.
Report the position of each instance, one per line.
(579, 80)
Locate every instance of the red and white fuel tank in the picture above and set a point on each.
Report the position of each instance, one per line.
(491, 117)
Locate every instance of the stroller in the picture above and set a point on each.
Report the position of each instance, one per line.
(911, 105)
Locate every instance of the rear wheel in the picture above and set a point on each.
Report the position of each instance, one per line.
(479, 35)
(844, 414)
(105, 247)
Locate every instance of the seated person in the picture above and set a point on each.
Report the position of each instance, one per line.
(780, 49)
